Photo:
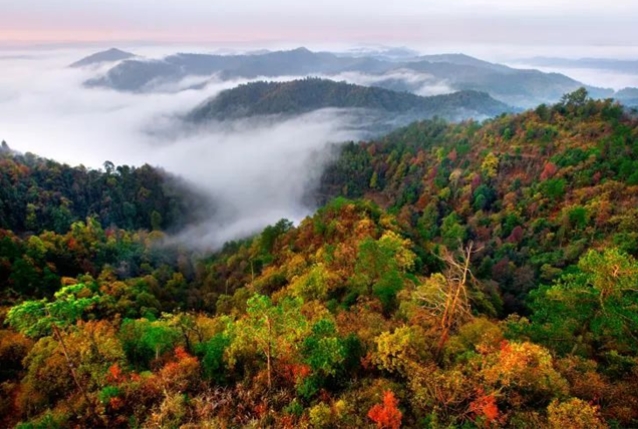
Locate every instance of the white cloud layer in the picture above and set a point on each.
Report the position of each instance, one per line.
(257, 171)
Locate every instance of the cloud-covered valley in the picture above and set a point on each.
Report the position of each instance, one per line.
(256, 170)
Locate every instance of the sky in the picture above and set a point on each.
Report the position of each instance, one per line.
(417, 22)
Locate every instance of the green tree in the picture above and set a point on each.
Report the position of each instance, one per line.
(452, 232)
(380, 266)
(144, 340)
(42, 318)
(38, 319)
(270, 329)
(596, 305)
(156, 221)
(575, 99)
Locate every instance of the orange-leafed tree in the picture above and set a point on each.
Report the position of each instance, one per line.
(485, 408)
(386, 415)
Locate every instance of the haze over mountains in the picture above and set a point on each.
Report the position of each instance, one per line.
(630, 66)
(454, 72)
(340, 193)
(548, 197)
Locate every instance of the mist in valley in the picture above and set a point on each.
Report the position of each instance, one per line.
(255, 170)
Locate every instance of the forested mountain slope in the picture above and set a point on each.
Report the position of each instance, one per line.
(534, 191)
(38, 194)
(393, 310)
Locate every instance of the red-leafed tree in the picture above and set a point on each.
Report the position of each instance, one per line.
(485, 408)
(386, 415)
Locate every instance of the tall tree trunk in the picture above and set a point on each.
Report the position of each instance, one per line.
(458, 272)
(269, 353)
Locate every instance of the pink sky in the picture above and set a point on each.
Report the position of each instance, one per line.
(398, 21)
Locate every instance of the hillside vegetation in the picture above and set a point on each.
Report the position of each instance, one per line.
(459, 275)
(37, 194)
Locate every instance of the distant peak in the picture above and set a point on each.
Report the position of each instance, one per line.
(109, 55)
(302, 50)
(116, 51)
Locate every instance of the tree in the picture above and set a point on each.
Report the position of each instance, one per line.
(374, 181)
(575, 99)
(325, 353)
(428, 222)
(596, 303)
(109, 167)
(521, 372)
(144, 340)
(156, 221)
(446, 295)
(398, 352)
(386, 415)
(42, 318)
(380, 265)
(490, 165)
(270, 328)
(576, 414)
(271, 233)
(452, 232)
(212, 352)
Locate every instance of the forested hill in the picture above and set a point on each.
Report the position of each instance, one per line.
(38, 194)
(534, 191)
(302, 96)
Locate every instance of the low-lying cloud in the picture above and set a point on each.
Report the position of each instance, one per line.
(591, 76)
(256, 170)
(419, 83)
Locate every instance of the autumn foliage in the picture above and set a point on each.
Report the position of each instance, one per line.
(485, 274)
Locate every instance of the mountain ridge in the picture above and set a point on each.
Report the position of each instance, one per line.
(302, 96)
(523, 88)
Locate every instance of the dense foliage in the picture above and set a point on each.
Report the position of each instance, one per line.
(533, 191)
(485, 277)
(38, 194)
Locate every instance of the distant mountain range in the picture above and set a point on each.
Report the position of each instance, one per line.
(108, 56)
(306, 95)
(458, 72)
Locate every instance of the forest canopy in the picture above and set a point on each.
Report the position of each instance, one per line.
(455, 275)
